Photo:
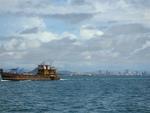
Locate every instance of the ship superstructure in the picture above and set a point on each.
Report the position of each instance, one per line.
(44, 72)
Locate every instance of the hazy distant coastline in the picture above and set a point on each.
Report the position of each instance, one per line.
(106, 73)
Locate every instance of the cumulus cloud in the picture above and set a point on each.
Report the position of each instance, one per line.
(88, 32)
(115, 45)
(31, 36)
(32, 23)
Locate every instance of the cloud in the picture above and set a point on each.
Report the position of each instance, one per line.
(114, 44)
(85, 33)
(88, 32)
(28, 23)
(47, 9)
(77, 2)
(29, 31)
(33, 34)
(73, 18)
(76, 11)
(139, 4)
(125, 29)
(118, 43)
(144, 46)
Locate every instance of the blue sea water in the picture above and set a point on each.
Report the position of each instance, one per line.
(80, 94)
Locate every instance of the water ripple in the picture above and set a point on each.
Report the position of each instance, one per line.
(76, 95)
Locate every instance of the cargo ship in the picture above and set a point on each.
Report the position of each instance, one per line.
(43, 72)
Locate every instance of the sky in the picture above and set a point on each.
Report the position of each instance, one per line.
(77, 35)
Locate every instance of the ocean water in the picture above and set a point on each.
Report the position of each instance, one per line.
(81, 94)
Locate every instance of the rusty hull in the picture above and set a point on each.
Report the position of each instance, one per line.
(17, 77)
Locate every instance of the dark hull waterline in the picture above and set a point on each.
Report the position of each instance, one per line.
(16, 77)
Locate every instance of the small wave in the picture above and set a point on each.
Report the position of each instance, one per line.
(4, 80)
(24, 80)
(63, 79)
